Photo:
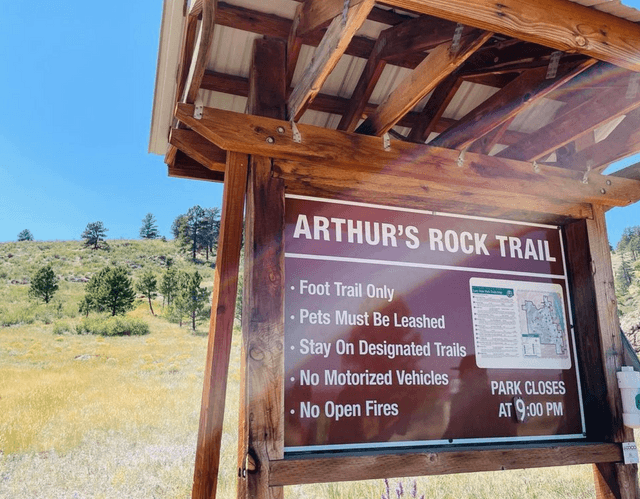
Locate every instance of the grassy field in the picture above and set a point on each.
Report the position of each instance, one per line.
(85, 416)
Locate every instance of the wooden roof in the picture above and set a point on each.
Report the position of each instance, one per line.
(518, 102)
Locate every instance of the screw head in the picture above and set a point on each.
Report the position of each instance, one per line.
(270, 140)
(280, 129)
(608, 182)
(603, 191)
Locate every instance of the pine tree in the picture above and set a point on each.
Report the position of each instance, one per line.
(624, 276)
(149, 229)
(109, 290)
(190, 230)
(170, 285)
(211, 230)
(44, 284)
(148, 285)
(194, 297)
(93, 234)
(25, 235)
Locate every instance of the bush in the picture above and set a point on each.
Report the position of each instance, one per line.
(113, 326)
(62, 327)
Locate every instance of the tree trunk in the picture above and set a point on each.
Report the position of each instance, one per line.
(193, 320)
(150, 307)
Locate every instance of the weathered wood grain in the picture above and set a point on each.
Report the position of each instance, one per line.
(257, 135)
(202, 49)
(337, 469)
(221, 325)
(199, 149)
(560, 24)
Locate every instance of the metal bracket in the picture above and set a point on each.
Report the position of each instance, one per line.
(554, 62)
(345, 10)
(297, 138)
(457, 38)
(386, 142)
(536, 167)
(460, 161)
(198, 110)
(585, 177)
(632, 87)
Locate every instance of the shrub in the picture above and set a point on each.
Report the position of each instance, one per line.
(113, 326)
(62, 327)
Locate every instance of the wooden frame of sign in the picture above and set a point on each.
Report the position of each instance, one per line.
(260, 156)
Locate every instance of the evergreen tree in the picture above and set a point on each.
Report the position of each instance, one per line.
(624, 276)
(109, 290)
(25, 235)
(44, 284)
(148, 285)
(149, 229)
(192, 230)
(94, 234)
(211, 230)
(170, 285)
(193, 297)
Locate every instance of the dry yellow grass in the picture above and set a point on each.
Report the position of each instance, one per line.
(118, 417)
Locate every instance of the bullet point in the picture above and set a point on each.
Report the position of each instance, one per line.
(293, 288)
(292, 347)
(292, 378)
(293, 411)
(292, 317)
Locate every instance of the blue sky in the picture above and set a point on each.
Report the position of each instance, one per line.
(77, 88)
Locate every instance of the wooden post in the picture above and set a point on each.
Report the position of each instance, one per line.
(613, 480)
(261, 426)
(223, 304)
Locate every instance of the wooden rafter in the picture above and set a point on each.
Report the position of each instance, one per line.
(199, 149)
(435, 107)
(560, 24)
(334, 43)
(485, 144)
(332, 104)
(183, 166)
(575, 122)
(521, 93)
(440, 62)
(413, 36)
(202, 49)
(244, 133)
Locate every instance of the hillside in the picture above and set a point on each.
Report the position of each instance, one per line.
(74, 264)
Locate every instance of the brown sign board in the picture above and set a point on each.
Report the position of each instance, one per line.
(408, 328)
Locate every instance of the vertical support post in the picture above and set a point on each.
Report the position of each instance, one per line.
(261, 428)
(223, 303)
(613, 480)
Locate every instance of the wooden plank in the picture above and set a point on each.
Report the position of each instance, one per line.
(202, 50)
(436, 462)
(416, 35)
(320, 180)
(560, 24)
(317, 13)
(612, 480)
(621, 143)
(573, 123)
(265, 334)
(485, 144)
(267, 87)
(185, 167)
(440, 62)
(435, 107)
(222, 315)
(199, 149)
(257, 135)
(186, 51)
(327, 55)
(521, 93)
(631, 172)
(237, 85)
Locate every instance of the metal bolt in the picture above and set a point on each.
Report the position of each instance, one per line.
(602, 191)
(270, 140)
(608, 182)
(280, 129)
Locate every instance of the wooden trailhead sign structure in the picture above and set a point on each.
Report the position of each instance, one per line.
(427, 280)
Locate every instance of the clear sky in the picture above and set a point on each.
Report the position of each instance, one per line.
(77, 87)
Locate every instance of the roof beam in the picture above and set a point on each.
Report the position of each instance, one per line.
(573, 123)
(199, 149)
(438, 166)
(334, 43)
(485, 144)
(440, 62)
(435, 108)
(202, 49)
(416, 35)
(560, 24)
(185, 167)
(521, 93)
(331, 104)
(621, 143)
